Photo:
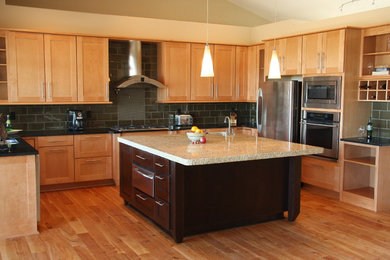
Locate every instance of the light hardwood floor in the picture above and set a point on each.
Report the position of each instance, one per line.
(94, 224)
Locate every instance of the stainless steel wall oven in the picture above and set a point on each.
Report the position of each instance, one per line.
(321, 129)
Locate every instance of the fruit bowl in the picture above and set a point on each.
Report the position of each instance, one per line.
(195, 137)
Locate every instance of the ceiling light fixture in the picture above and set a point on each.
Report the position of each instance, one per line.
(207, 63)
(341, 7)
(274, 67)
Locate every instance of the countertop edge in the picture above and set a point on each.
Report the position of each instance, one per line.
(204, 161)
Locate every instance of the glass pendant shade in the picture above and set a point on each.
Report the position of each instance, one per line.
(207, 63)
(274, 68)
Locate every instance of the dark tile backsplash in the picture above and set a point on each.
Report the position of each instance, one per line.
(48, 117)
(381, 119)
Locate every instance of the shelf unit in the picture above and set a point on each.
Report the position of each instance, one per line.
(374, 90)
(365, 176)
(376, 52)
(3, 68)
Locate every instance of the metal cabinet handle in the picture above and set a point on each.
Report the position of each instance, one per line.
(216, 90)
(318, 60)
(93, 161)
(167, 91)
(43, 90)
(160, 203)
(282, 63)
(140, 157)
(212, 90)
(107, 90)
(159, 177)
(322, 60)
(49, 90)
(238, 90)
(55, 141)
(139, 196)
(143, 174)
(323, 125)
(56, 150)
(159, 165)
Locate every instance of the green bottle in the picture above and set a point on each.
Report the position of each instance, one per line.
(369, 128)
(8, 125)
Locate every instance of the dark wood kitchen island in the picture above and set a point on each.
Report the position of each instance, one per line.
(193, 188)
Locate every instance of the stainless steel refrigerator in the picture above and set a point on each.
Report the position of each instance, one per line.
(279, 109)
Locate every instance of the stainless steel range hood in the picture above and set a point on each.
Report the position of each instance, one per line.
(135, 69)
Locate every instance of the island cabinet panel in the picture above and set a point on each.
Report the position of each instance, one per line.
(188, 200)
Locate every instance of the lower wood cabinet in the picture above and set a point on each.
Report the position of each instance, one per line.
(74, 161)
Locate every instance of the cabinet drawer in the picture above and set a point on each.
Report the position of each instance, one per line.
(143, 159)
(57, 140)
(92, 145)
(161, 213)
(92, 169)
(143, 203)
(161, 182)
(143, 180)
(161, 164)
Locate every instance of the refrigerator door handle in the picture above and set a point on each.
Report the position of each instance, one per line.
(259, 110)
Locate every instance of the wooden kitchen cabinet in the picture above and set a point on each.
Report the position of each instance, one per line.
(256, 77)
(289, 52)
(26, 67)
(92, 69)
(241, 73)
(60, 68)
(224, 72)
(202, 88)
(323, 53)
(3, 67)
(93, 155)
(56, 160)
(174, 61)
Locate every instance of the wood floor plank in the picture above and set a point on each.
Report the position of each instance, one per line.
(94, 223)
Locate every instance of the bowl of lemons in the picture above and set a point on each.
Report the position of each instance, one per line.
(196, 135)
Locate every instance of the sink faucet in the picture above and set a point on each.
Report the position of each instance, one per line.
(229, 130)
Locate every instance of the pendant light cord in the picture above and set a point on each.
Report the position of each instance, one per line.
(274, 22)
(207, 22)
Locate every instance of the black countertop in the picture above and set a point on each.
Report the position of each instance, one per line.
(22, 148)
(377, 141)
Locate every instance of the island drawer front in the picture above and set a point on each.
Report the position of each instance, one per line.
(58, 140)
(161, 182)
(161, 164)
(143, 159)
(143, 203)
(143, 180)
(161, 213)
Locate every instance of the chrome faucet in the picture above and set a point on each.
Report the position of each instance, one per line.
(229, 130)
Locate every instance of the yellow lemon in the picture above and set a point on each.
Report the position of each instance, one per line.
(199, 131)
(194, 128)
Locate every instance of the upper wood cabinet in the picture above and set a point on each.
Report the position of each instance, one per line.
(26, 67)
(174, 71)
(224, 72)
(92, 69)
(60, 68)
(202, 88)
(323, 52)
(255, 71)
(241, 73)
(289, 52)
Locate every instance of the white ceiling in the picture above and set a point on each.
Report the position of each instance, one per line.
(311, 10)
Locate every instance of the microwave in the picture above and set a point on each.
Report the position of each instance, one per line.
(322, 92)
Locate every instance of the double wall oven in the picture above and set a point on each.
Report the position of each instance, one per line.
(321, 125)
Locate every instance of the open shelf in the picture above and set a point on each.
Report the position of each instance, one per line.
(367, 192)
(368, 160)
(376, 53)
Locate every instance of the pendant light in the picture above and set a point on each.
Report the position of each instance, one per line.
(207, 63)
(274, 67)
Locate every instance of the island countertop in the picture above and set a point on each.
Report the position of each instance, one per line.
(217, 149)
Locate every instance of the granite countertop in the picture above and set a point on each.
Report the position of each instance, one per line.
(22, 148)
(377, 141)
(218, 149)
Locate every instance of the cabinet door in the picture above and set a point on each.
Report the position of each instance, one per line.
(201, 87)
(224, 71)
(253, 72)
(56, 164)
(60, 68)
(241, 73)
(311, 53)
(92, 145)
(92, 169)
(125, 164)
(175, 62)
(292, 57)
(333, 51)
(26, 67)
(280, 46)
(92, 69)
